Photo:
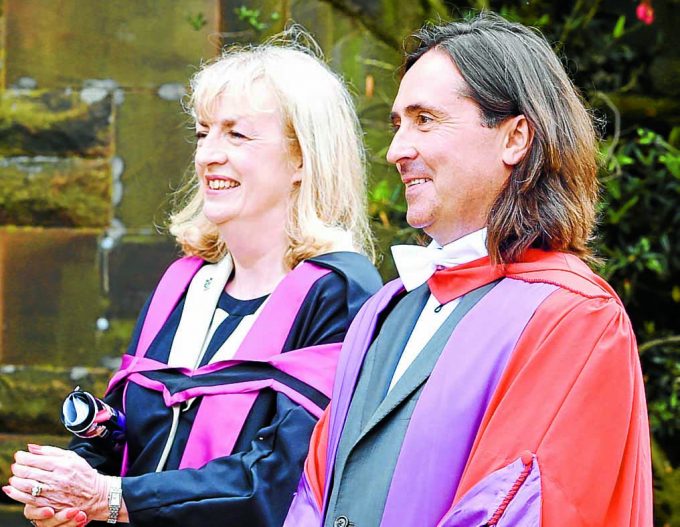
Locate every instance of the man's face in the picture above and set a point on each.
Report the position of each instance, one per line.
(449, 162)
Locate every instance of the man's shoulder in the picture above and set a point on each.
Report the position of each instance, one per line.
(566, 271)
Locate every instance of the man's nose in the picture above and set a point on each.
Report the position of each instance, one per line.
(400, 148)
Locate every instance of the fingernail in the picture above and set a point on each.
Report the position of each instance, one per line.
(33, 448)
(6, 489)
(81, 517)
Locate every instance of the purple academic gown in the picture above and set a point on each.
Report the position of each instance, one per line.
(445, 420)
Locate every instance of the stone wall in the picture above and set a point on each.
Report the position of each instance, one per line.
(93, 141)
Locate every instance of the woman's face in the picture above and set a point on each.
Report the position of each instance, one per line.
(243, 162)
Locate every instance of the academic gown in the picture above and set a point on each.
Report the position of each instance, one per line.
(244, 424)
(534, 414)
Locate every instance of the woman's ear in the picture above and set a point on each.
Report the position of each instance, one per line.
(518, 138)
(297, 174)
(296, 162)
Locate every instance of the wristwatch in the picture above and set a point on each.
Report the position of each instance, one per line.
(115, 499)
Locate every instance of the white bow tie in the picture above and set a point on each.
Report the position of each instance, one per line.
(417, 264)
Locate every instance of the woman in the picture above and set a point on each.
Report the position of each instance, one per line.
(233, 357)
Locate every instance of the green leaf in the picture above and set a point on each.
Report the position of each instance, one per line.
(644, 244)
(655, 266)
(647, 137)
(672, 163)
(625, 160)
(619, 27)
(614, 188)
(675, 294)
(381, 191)
(616, 215)
(674, 136)
(543, 21)
(197, 21)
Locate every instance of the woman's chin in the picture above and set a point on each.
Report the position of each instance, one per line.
(218, 215)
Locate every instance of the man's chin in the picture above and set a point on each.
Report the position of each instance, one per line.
(418, 219)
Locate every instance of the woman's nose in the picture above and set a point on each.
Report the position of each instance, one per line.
(209, 152)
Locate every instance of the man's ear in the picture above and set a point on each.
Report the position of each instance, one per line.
(518, 138)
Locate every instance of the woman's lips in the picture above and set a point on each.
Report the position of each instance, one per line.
(220, 183)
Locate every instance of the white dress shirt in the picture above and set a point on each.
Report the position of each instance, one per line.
(464, 250)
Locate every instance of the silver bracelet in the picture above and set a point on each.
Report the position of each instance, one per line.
(115, 499)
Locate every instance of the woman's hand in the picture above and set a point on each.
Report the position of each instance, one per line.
(60, 479)
(46, 517)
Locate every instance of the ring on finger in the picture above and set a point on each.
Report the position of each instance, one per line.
(36, 490)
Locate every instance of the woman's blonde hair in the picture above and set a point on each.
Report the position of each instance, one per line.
(328, 206)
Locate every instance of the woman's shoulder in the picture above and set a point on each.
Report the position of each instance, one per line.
(352, 281)
(334, 299)
(354, 269)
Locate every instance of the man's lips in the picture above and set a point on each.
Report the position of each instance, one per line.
(412, 182)
(413, 173)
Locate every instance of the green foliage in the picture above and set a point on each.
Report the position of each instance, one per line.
(640, 239)
(640, 225)
(197, 21)
(662, 370)
(253, 18)
(667, 489)
(603, 48)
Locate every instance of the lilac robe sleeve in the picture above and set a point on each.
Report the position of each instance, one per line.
(508, 497)
(304, 511)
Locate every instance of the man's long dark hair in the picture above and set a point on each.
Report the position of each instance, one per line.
(549, 201)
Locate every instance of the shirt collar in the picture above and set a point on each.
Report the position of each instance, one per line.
(466, 249)
(417, 264)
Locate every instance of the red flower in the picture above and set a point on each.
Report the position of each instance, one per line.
(645, 12)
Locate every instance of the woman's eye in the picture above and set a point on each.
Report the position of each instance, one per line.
(200, 134)
(424, 119)
(237, 135)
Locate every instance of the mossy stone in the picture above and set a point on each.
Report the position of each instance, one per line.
(63, 192)
(55, 123)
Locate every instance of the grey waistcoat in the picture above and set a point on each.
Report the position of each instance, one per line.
(377, 420)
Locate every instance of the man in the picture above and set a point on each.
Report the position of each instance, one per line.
(504, 389)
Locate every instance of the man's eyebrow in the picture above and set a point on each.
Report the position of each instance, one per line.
(413, 109)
